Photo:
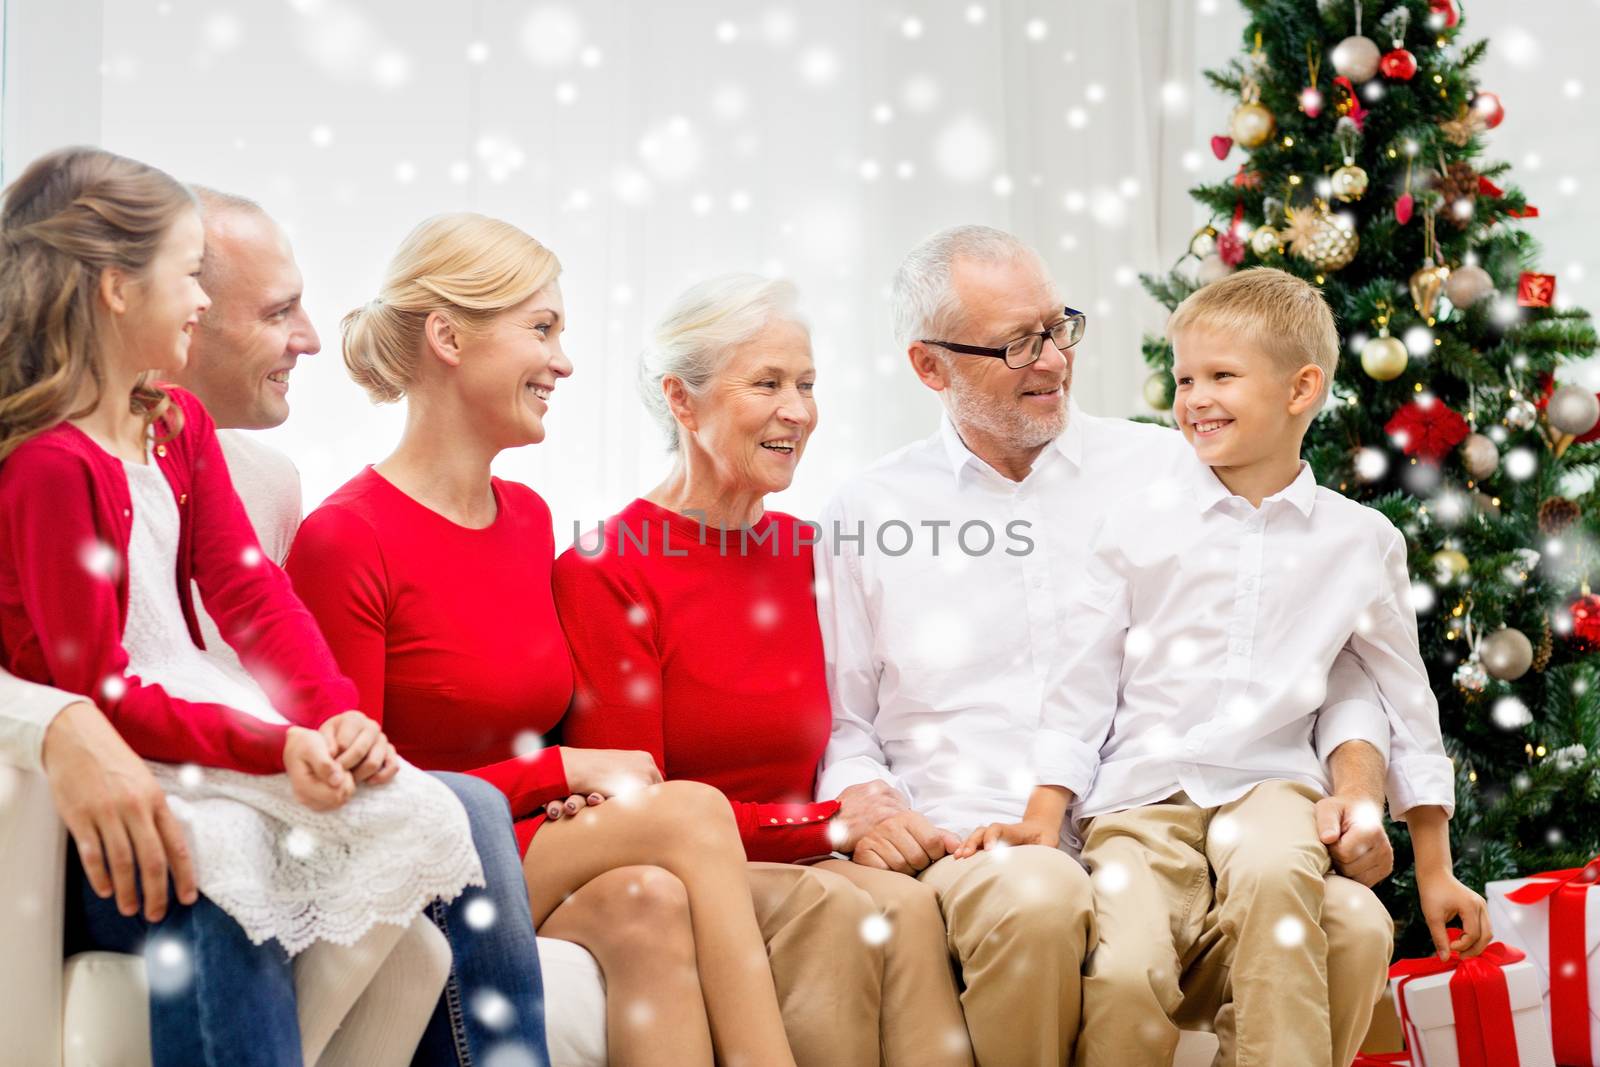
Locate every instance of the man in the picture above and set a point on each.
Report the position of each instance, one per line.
(939, 656)
(240, 359)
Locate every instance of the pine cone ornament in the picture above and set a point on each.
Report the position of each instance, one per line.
(1556, 515)
(1459, 187)
(1546, 647)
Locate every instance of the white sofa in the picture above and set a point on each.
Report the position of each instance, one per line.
(92, 1012)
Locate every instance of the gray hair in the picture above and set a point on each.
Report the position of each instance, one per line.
(701, 328)
(216, 202)
(921, 299)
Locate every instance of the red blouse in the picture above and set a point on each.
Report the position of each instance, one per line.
(65, 520)
(449, 633)
(710, 659)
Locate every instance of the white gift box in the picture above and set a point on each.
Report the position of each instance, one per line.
(1431, 1019)
(1527, 927)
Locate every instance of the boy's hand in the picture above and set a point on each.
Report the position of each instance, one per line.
(361, 748)
(1444, 898)
(318, 780)
(1026, 832)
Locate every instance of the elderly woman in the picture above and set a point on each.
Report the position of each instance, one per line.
(694, 636)
(432, 581)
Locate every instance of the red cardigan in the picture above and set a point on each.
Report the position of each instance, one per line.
(65, 520)
(450, 633)
(708, 659)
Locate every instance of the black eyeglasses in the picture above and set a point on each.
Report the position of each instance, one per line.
(1025, 350)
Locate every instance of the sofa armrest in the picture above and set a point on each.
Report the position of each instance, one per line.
(33, 843)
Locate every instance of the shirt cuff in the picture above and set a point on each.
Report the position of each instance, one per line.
(1351, 720)
(857, 770)
(1061, 759)
(26, 712)
(1422, 780)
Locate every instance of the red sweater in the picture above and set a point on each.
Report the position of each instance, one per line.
(708, 659)
(65, 520)
(449, 633)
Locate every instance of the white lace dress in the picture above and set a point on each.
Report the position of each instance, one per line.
(280, 869)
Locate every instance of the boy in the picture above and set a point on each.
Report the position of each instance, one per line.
(1212, 612)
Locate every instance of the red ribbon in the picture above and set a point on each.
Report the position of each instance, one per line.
(1568, 893)
(1490, 189)
(1478, 997)
(1357, 114)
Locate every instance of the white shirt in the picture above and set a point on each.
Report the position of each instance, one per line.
(1206, 633)
(938, 661)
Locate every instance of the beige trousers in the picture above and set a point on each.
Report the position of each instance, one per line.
(1019, 923)
(859, 961)
(1224, 906)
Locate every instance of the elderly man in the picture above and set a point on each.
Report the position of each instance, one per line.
(940, 646)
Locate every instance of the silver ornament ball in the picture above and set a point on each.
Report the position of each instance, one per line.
(1573, 409)
(1356, 58)
(1521, 415)
(1266, 241)
(1480, 456)
(1507, 654)
(1468, 285)
(1470, 677)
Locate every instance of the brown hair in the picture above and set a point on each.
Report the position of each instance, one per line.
(466, 266)
(73, 213)
(1282, 315)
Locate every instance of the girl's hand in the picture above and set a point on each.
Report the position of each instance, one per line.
(608, 771)
(1444, 898)
(318, 780)
(1008, 833)
(572, 805)
(361, 748)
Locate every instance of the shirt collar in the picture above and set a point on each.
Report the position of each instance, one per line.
(1210, 492)
(1069, 443)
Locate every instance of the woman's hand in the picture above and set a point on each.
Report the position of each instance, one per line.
(572, 805)
(318, 780)
(607, 772)
(361, 748)
(1009, 833)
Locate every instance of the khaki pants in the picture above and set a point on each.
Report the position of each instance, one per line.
(1219, 905)
(851, 997)
(1019, 923)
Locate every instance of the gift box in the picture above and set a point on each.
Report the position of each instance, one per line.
(1482, 1011)
(1555, 919)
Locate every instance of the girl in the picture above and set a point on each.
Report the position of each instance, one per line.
(306, 828)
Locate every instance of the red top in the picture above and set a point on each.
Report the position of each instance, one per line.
(708, 658)
(65, 520)
(449, 633)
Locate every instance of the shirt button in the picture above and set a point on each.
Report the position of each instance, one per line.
(788, 820)
(183, 498)
(161, 450)
(774, 822)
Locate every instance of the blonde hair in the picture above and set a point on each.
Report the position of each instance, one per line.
(71, 215)
(467, 267)
(1276, 312)
(701, 328)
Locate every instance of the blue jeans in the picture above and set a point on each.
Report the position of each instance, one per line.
(202, 970)
(495, 956)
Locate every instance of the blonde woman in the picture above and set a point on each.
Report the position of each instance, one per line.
(432, 581)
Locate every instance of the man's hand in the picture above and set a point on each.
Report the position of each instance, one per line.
(861, 807)
(318, 780)
(1352, 828)
(906, 842)
(1444, 898)
(126, 836)
(361, 748)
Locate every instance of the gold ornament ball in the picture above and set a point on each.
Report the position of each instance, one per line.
(1468, 285)
(1506, 654)
(1479, 456)
(1349, 182)
(1573, 409)
(1266, 241)
(1356, 58)
(1158, 391)
(1448, 565)
(1426, 285)
(1384, 358)
(1204, 242)
(1332, 245)
(1212, 269)
(1252, 125)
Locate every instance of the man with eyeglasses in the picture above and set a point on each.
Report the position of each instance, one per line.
(939, 658)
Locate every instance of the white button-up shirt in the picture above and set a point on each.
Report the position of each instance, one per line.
(939, 655)
(1206, 633)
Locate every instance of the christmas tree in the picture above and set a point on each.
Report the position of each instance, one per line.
(1364, 171)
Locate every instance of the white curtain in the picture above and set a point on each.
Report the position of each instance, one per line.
(652, 144)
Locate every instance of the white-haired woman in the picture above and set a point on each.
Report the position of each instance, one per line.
(694, 635)
(432, 582)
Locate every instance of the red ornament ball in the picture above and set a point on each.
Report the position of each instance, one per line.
(1398, 65)
(1447, 10)
(1586, 621)
(1487, 106)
